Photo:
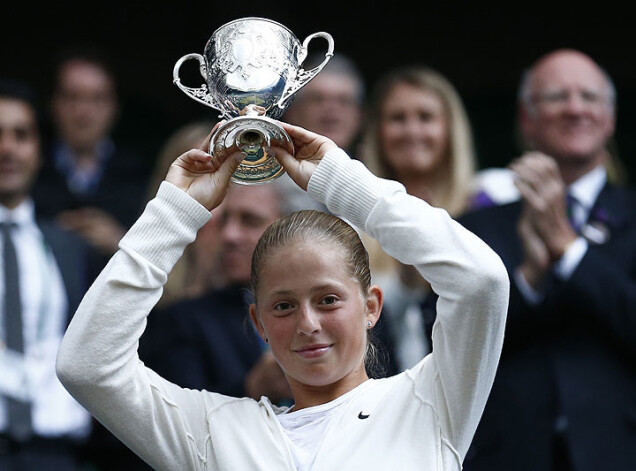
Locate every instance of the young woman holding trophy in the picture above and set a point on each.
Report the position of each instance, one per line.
(314, 306)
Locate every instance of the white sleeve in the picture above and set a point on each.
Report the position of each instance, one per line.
(98, 361)
(470, 279)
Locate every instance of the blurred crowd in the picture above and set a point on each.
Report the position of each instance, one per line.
(561, 216)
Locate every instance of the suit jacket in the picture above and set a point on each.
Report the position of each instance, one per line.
(572, 356)
(121, 191)
(78, 264)
(204, 343)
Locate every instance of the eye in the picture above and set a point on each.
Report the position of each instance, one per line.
(283, 306)
(591, 97)
(425, 116)
(251, 220)
(329, 300)
(395, 117)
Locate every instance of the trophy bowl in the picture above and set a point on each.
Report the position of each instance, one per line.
(252, 67)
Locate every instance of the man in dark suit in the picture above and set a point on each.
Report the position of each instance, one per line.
(90, 182)
(44, 272)
(565, 394)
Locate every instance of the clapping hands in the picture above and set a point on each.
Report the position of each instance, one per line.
(544, 227)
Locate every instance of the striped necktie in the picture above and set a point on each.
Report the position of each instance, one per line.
(573, 215)
(19, 412)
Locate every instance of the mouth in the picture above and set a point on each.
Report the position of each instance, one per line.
(313, 351)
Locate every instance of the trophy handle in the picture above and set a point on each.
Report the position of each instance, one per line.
(199, 94)
(304, 76)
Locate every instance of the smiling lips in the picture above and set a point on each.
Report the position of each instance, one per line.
(313, 351)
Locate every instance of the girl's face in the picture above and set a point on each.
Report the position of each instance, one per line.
(413, 130)
(314, 315)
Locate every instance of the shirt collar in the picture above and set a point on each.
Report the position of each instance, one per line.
(65, 157)
(22, 215)
(587, 188)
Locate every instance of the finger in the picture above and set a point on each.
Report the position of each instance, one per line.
(543, 174)
(534, 172)
(195, 160)
(538, 164)
(298, 133)
(530, 196)
(205, 144)
(302, 138)
(298, 170)
(227, 168)
(284, 157)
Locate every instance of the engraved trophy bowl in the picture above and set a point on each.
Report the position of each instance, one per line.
(252, 67)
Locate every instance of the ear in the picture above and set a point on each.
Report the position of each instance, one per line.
(374, 302)
(257, 323)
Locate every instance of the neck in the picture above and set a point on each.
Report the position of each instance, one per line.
(84, 153)
(12, 201)
(571, 171)
(85, 157)
(309, 396)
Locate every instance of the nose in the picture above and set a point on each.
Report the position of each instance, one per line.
(230, 230)
(7, 143)
(308, 322)
(576, 104)
(412, 127)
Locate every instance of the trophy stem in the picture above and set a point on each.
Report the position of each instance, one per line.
(250, 140)
(253, 136)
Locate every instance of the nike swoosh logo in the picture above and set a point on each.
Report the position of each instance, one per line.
(363, 416)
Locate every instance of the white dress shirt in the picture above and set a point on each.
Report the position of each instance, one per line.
(32, 375)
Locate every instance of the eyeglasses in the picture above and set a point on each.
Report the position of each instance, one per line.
(558, 98)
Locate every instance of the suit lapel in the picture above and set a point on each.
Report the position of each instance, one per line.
(609, 215)
(68, 256)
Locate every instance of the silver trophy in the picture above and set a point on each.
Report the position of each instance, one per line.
(252, 67)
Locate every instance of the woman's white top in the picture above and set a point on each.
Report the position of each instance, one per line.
(424, 418)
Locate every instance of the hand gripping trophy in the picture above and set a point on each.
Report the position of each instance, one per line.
(252, 67)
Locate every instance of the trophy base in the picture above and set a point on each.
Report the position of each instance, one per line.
(253, 136)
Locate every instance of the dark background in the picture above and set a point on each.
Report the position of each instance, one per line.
(482, 47)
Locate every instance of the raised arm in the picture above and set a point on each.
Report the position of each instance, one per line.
(98, 361)
(468, 276)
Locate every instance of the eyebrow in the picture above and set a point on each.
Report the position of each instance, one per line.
(313, 290)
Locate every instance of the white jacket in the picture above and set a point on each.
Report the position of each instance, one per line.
(423, 418)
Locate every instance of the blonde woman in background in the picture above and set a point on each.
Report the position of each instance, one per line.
(418, 133)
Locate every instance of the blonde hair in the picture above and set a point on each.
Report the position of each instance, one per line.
(452, 185)
(313, 225)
